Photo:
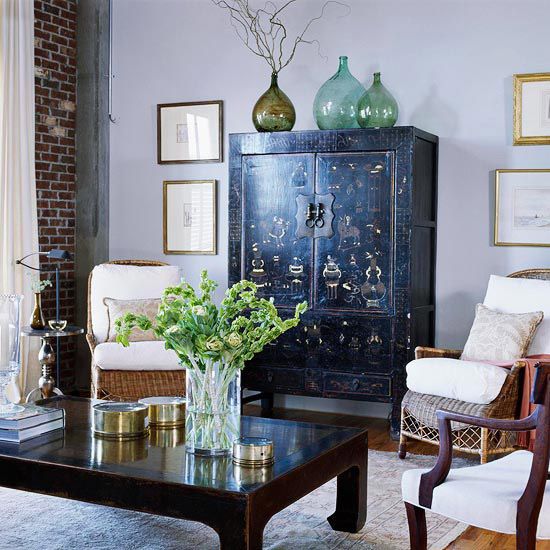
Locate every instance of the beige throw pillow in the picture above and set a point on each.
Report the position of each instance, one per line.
(497, 336)
(117, 308)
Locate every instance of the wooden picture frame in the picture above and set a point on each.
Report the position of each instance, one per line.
(532, 109)
(189, 213)
(522, 207)
(190, 133)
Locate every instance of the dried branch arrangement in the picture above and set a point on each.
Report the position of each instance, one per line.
(263, 32)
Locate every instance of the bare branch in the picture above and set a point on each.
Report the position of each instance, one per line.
(263, 31)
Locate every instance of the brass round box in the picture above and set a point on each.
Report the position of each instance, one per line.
(253, 452)
(113, 420)
(165, 412)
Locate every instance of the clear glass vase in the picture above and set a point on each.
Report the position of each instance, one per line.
(213, 409)
(10, 363)
(335, 105)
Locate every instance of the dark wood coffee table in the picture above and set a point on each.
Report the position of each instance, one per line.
(157, 476)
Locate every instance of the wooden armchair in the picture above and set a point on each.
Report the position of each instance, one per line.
(418, 411)
(509, 495)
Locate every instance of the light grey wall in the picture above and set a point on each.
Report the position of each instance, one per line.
(448, 62)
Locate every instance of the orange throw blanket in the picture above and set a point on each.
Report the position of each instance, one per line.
(527, 439)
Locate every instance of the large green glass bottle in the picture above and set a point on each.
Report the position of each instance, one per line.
(274, 111)
(335, 104)
(377, 108)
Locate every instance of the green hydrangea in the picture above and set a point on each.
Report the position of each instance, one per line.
(201, 332)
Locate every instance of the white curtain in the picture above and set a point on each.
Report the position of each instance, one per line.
(18, 217)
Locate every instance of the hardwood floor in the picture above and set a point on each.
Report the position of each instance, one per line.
(379, 439)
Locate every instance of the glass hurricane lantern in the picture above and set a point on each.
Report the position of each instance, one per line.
(10, 360)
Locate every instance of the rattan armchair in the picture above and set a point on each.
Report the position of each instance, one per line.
(418, 411)
(127, 385)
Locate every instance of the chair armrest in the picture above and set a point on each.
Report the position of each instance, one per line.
(437, 475)
(422, 352)
(92, 342)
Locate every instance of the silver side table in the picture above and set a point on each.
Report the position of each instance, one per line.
(48, 356)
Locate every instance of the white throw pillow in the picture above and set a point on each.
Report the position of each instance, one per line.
(522, 296)
(468, 381)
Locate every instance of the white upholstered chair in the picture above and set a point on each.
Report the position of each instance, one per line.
(144, 368)
(520, 292)
(509, 495)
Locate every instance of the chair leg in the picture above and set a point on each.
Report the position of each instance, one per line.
(402, 447)
(417, 527)
(484, 446)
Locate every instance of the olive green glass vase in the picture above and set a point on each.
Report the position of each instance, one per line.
(377, 108)
(274, 111)
(335, 105)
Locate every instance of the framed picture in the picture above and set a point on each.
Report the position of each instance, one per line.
(190, 132)
(532, 109)
(522, 207)
(189, 217)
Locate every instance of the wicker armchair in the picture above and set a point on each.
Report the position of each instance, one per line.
(418, 411)
(128, 385)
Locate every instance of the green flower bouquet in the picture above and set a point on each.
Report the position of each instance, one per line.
(213, 343)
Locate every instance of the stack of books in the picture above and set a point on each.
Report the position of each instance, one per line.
(31, 422)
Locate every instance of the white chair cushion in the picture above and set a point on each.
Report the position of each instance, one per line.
(468, 381)
(137, 356)
(126, 282)
(483, 496)
(522, 296)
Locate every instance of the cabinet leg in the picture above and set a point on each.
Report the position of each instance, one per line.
(395, 422)
(267, 405)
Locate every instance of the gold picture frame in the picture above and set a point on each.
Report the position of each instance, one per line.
(189, 217)
(498, 241)
(519, 81)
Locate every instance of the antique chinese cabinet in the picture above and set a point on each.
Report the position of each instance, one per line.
(347, 221)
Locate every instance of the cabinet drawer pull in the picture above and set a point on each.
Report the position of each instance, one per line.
(270, 377)
(355, 384)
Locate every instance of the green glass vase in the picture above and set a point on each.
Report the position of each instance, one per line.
(377, 108)
(274, 111)
(335, 104)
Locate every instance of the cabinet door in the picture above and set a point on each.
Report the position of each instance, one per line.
(353, 269)
(274, 258)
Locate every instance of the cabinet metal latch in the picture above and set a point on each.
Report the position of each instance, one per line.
(314, 216)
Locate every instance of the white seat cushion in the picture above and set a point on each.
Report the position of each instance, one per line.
(468, 381)
(126, 282)
(137, 356)
(523, 296)
(483, 496)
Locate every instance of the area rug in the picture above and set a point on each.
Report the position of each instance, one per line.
(33, 522)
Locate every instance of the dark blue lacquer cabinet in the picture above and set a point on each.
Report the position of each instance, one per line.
(347, 221)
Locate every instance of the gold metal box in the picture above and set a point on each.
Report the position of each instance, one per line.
(165, 412)
(112, 420)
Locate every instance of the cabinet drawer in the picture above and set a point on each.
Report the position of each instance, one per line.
(273, 378)
(360, 384)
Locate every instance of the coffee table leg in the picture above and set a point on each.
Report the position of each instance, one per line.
(351, 497)
(237, 535)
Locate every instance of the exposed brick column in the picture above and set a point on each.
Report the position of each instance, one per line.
(55, 102)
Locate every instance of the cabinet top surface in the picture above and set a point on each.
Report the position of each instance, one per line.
(413, 130)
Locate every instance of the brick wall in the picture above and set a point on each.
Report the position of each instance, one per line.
(55, 101)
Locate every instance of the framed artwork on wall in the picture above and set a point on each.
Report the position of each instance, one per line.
(189, 217)
(190, 132)
(522, 207)
(532, 109)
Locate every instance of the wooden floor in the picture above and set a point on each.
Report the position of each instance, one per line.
(379, 439)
